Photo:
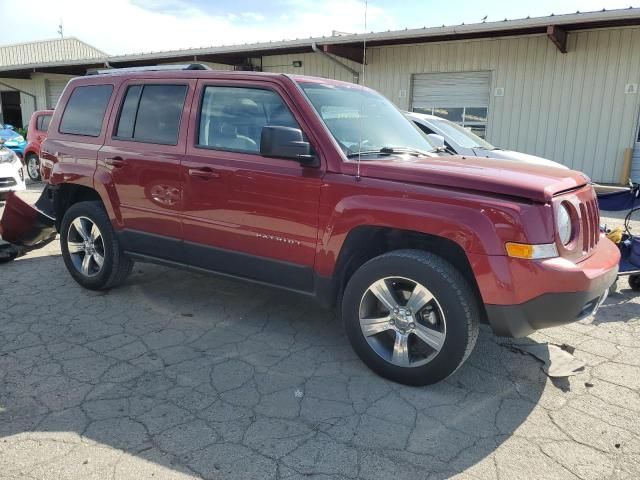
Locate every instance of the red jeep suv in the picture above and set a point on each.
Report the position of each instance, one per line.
(325, 189)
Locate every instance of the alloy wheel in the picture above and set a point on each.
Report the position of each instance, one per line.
(402, 321)
(33, 167)
(86, 246)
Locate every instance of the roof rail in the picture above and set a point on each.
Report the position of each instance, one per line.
(151, 68)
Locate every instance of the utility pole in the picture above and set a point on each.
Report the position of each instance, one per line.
(60, 31)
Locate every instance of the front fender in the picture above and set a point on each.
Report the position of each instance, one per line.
(478, 223)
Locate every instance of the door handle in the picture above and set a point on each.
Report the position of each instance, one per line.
(204, 173)
(115, 162)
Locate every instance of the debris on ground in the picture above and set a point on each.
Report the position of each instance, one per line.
(558, 360)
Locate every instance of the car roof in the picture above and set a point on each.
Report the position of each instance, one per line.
(196, 74)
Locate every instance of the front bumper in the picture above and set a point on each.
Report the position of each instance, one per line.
(566, 292)
(548, 310)
(11, 177)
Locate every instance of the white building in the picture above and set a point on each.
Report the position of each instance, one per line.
(565, 87)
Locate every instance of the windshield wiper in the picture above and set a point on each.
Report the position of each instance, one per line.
(388, 151)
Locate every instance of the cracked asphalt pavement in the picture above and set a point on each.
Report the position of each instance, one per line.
(177, 375)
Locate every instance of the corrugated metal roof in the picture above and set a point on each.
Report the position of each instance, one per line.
(56, 57)
(485, 29)
(47, 51)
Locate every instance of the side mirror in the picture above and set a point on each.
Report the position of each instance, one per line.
(286, 142)
(437, 141)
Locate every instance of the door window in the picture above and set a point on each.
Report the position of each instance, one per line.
(42, 123)
(151, 113)
(232, 118)
(85, 110)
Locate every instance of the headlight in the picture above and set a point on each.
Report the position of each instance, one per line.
(18, 139)
(563, 224)
(8, 156)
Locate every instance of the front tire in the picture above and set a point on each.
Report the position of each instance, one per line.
(411, 316)
(90, 248)
(32, 162)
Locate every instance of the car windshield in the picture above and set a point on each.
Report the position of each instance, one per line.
(365, 123)
(460, 135)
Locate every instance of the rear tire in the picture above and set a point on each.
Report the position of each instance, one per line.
(422, 331)
(32, 162)
(90, 249)
(634, 282)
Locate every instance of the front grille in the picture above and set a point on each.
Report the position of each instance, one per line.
(590, 220)
(7, 182)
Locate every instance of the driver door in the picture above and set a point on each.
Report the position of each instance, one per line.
(245, 214)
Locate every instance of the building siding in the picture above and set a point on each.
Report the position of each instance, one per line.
(35, 86)
(570, 107)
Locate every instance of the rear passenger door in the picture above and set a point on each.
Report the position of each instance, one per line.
(141, 154)
(246, 214)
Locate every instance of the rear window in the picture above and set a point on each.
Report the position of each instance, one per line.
(85, 110)
(151, 113)
(42, 123)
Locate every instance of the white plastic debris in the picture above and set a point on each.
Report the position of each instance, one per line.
(558, 362)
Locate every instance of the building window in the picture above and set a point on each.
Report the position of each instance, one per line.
(152, 113)
(473, 118)
(85, 110)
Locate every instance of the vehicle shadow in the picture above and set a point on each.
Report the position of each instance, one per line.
(223, 379)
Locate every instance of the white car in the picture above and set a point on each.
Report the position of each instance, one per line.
(11, 173)
(461, 141)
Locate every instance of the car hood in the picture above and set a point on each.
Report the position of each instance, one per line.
(503, 177)
(8, 134)
(518, 156)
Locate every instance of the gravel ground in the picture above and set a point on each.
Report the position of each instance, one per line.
(177, 375)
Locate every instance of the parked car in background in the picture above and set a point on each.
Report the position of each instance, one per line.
(36, 133)
(11, 173)
(12, 139)
(322, 188)
(462, 141)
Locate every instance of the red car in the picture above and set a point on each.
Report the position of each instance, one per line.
(325, 189)
(36, 133)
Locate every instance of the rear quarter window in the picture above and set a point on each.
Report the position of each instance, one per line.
(85, 109)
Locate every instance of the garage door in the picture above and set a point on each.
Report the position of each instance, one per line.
(54, 90)
(462, 97)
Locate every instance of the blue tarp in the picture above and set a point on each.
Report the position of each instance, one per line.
(619, 201)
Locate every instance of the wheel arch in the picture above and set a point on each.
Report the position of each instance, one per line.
(68, 194)
(365, 242)
(30, 151)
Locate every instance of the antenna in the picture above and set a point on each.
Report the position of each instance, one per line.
(364, 63)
